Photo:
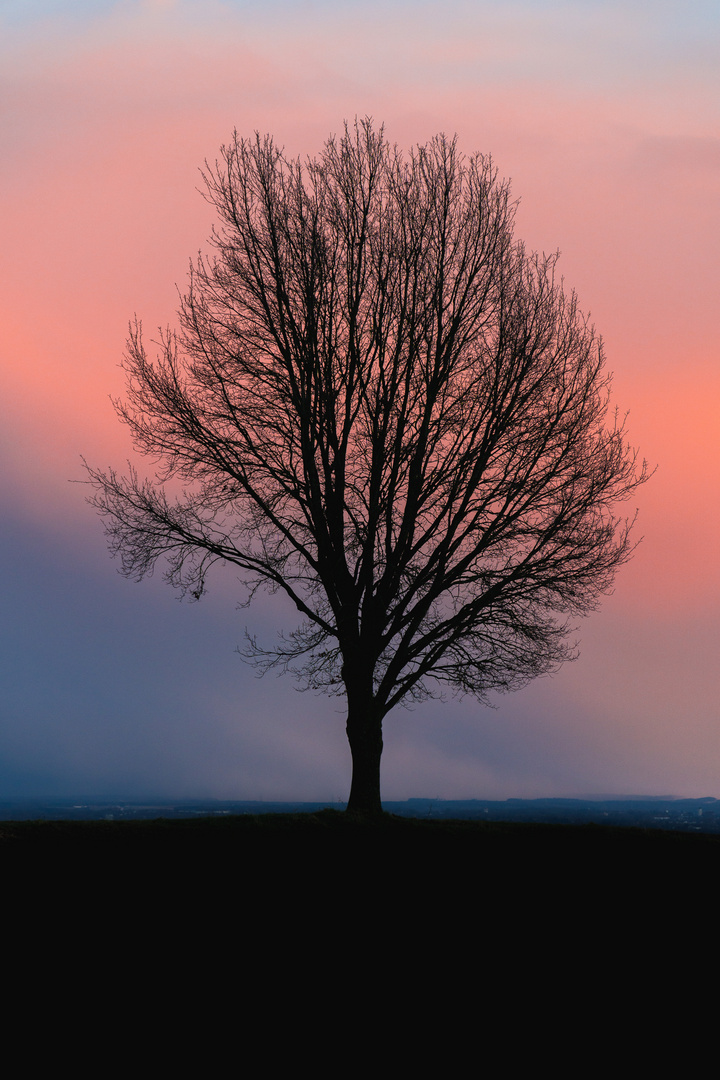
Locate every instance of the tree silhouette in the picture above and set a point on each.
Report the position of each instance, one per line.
(379, 403)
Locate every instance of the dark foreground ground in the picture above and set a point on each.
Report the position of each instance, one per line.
(308, 851)
(322, 877)
(314, 924)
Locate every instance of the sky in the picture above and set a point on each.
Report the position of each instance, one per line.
(606, 118)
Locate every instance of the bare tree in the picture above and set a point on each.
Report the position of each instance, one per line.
(379, 403)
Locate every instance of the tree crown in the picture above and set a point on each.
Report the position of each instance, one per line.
(379, 403)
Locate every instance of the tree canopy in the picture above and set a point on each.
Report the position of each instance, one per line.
(379, 403)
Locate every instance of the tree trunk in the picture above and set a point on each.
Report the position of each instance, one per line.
(364, 732)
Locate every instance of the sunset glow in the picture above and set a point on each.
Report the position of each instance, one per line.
(605, 117)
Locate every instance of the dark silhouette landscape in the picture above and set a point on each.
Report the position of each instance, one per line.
(296, 857)
(420, 839)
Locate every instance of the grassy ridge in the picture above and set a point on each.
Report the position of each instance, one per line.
(332, 830)
(277, 896)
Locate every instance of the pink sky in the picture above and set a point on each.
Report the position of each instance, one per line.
(605, 116)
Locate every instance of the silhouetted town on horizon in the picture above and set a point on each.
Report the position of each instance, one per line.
(661, 812)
